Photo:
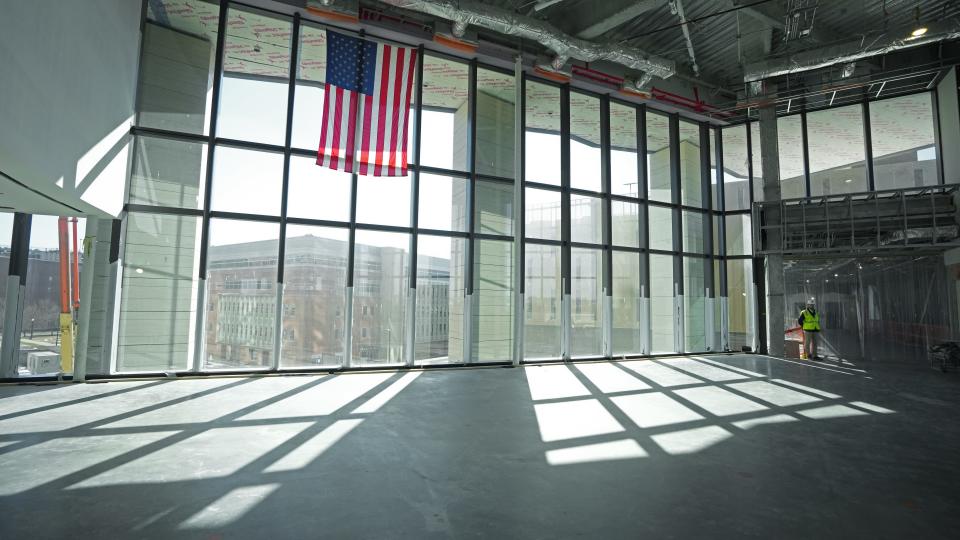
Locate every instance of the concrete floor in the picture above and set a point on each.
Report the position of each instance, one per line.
(705, 447)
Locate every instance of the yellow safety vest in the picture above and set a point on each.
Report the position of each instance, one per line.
(811, 321)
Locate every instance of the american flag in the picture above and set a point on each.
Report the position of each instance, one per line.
(376, 78)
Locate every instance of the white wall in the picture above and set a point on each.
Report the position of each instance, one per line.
(68, 71)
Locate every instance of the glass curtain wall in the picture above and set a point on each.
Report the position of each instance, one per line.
(289, 262)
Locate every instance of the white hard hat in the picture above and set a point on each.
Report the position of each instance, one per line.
(811, 302)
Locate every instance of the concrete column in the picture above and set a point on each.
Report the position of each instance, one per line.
(771, 192)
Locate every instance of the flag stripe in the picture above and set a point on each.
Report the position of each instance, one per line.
(395, 121)
(324, 132)
(382, 98)
(376, 102)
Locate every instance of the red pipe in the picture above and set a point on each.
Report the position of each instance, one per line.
(64, 265)
(76, 267)
(597, 76)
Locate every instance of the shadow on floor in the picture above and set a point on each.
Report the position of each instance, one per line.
(744, 446)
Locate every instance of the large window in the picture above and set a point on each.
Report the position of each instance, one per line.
(445, 126)
(695, 327)
(318, 192)
(740, 298)
(442, 203)
(739, 237)
(586, 219)
(793, 182)
(542, 293)
(493, 208)
(694, 235)
(837, 151)
(659, 165)
(584, 142)
(247, 181)
(496, 104)
(384, 265)
(438, 337)
(662, 306)
(691, 190)
(176, 67)
(586, 302)
(492, 301)
(625, 226)
(383, 200)
(626, 303)
(736, 177)
(308, 102)
(542, 133)
(256, 69)
(158, 307)
(168, 173)
(661, 227)
(904, 142)
(624, 173)
(314, 296)
(380, 283)
(543, 214)
(240, 318)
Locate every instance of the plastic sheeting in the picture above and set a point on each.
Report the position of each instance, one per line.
(883, 309)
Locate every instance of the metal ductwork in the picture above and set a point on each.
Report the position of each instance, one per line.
(565, 46)
(851, 51)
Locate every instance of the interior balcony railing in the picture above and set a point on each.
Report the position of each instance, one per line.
(895, 220)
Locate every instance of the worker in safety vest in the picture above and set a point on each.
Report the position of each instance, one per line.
(809, 321)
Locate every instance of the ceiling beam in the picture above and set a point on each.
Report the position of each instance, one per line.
(678, 6)
(619, 18)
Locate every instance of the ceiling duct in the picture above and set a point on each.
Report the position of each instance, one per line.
(565, 46)
(851, 51)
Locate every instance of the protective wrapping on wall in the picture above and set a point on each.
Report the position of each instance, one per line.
(876, 308)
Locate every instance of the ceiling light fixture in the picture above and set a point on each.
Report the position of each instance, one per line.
(919, 31)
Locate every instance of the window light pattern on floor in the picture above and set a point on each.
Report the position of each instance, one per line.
(674, 406)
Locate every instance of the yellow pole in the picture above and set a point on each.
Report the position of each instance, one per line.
(66, 342)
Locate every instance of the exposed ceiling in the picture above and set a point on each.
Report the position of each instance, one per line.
(723, 37)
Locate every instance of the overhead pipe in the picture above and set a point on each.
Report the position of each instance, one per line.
(563, 45)
(852, 51)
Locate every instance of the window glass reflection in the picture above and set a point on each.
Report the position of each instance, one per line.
(626, 303)
(624, 175)
(314, 296)
(380, 282)
(793, 183)
(438, 337)
(736, 174)
(240, 317)
(542, 133)
(585, 142)
(904, 145)
(586, 306)
(661, 304)
(445, 114)
(542, 293)
(256, 67)
(542, 214)
(691, 192)
(837, 151)
(658, 158)
(496, 102)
